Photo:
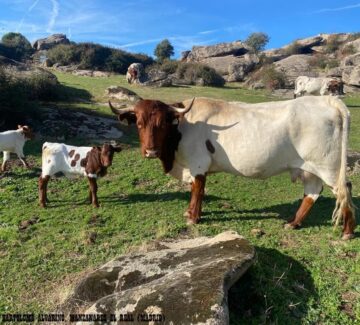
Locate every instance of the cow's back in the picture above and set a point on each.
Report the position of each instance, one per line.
(260, 140)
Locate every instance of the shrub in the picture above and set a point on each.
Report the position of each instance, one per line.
(95, 56)
(332, 44)
(169, 66)
(322, 62)
(192, 72)
(257, 41)
(293, 48)
(272, 78)
(63, 54)
(354, 36)
(15, 46)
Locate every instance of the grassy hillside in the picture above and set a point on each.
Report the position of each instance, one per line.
(308, 276)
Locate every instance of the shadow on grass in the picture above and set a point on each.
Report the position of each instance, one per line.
(320, 214)
(277, 289)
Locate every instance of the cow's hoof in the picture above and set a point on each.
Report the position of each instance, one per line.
(290, 226)
(347, 236)
(191, 221)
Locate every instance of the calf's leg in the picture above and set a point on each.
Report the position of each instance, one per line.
(93, 191)
(43, 182)
(197, 193)
(312, 188)
(6, 156)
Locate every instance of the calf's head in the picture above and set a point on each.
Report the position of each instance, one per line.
(99, 159)
(26, 131)
(154, 120)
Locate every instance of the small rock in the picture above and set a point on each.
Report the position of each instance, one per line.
(257, 232)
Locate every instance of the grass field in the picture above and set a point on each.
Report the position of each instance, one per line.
(308, 276)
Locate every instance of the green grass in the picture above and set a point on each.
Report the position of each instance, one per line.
(308, 276)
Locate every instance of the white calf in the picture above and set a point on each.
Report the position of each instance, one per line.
(13, 142)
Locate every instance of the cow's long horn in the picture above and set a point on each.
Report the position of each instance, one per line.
(119, 111)
(183, 111)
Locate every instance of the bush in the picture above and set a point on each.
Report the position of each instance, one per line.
(169, 66)
(294, 48)
(348, 50)
(63, 54)
(257, 41)
(192, 72)
(272, 78)
(332, 44)
(322, 62)
(15, 46)
(95, 57)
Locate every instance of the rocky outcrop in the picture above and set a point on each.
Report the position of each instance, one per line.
(184, 282)
(49, 42)
(90, 73)
(121, 93)
(60, 124)
(152, 78)
(199, 53)
(351, 76)
(294, 66)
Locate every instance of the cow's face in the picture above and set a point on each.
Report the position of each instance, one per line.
(154, 121)
(107, 154)
(26, 131)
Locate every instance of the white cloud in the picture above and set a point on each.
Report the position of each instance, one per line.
(337, 9)
(53, 15)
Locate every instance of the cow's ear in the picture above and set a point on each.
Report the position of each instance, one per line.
(127, 118)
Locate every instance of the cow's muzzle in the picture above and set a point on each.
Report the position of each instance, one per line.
(151, 153)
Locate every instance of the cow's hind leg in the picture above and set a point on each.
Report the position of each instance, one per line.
(43, 182)
(313, 186)
(348, 218)
(193, 214)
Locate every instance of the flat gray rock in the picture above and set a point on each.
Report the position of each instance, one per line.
(185, 281)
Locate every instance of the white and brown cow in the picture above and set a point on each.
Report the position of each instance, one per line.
(91, 162)
(13, 141)
(305, 136)
(318, 86)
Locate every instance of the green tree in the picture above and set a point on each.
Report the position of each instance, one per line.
(164, 50)
(16, 46)
(257, 41)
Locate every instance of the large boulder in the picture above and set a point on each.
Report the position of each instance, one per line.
(294, 66)
(199, 53)
(51, 41)
(351, 60)
(351, 75)
(121, 93)
(182, 282)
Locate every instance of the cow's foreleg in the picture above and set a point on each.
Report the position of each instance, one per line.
(43, 182)
(312, 188)
(93, 190)
(197, 193)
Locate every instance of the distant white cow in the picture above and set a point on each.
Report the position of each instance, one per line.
(13, 142)
(134, 73)
(315, 86)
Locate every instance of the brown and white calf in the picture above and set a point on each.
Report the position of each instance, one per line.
(91, 162)
(306, 137)
(13, 142)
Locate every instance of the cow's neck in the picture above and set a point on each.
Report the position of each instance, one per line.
(170, 146)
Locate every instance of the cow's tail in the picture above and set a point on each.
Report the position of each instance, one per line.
(343, 192)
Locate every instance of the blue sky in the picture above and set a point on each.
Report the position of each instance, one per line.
(138, 25)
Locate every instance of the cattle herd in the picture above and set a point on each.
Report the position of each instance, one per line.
(306, 136)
